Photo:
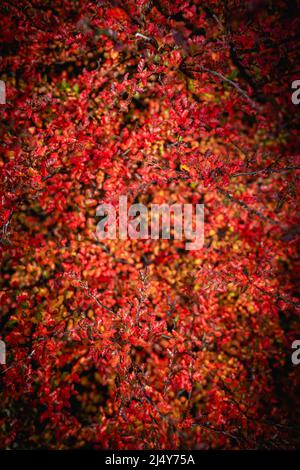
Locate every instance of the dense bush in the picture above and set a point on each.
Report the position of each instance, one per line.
(137, 344)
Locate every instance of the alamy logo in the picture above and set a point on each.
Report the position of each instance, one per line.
(134, 222)
(296, 354)
(296, 93)
(2, 352)
(2, 92)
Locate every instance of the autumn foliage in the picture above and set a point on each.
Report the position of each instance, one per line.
(141, 344)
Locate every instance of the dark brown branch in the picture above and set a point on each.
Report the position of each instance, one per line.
(245, 206)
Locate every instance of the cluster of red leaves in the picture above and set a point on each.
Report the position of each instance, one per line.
(138, 343)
